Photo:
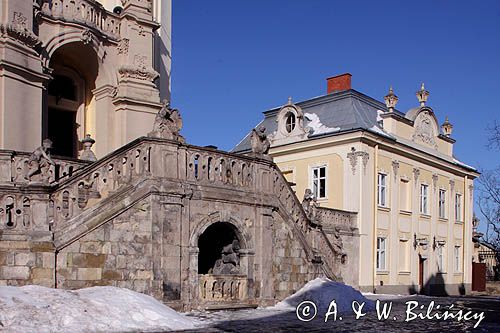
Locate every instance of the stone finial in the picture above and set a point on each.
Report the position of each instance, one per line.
(88, 154)
(290, 100)
(391, 100)
(422, 95)
(447, 127)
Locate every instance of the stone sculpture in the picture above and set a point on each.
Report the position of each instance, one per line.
(310, 206)
(39, 162)
(168, 123)
(230, 261)
(259, 141)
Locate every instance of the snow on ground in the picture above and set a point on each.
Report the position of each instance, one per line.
(96, 309)
(322, 291)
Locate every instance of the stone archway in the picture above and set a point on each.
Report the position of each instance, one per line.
(221, 261)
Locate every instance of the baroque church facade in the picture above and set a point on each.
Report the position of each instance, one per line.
(98, 187)
(394, 172)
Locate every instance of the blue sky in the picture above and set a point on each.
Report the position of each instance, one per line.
(234, 59)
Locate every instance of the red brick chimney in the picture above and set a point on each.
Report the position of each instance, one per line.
(338, 83)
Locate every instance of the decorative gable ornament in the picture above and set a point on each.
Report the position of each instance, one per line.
(290, 125)
(425, 129)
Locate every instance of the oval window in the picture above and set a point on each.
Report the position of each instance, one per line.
(290, 122)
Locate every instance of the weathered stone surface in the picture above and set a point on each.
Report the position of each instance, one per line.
(14, 273)
(88, 260)
(42, 273)
(89, 274)
(25, 259)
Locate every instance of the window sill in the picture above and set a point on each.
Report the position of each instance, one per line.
(441, 273)
(384, 208)
(425, 216)
(405, 212)
(404, 273)
(457, 274)
(459, 222)
(443, 219)
(382, 272)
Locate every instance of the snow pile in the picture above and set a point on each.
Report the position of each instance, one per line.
(97, 309)
(322, 291)
(317, 126)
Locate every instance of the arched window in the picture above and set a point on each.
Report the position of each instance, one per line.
(290, 122)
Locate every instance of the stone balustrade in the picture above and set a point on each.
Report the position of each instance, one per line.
(87, 12)
(74, 188)
(334, 217)
(223, 287)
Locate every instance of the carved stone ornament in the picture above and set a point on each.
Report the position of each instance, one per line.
(424, 130)
(259, 141)
(291, 128)
(395, 169)
(168, 123)
(39, 163)
(123, 46)
(435, 178)
(310, 206)
(229, 262)
(140, 70)
(416, 174)
(24, 36)
(452, 185)
(353, 158)
(86, 37)
(19, 21)
(88, 154)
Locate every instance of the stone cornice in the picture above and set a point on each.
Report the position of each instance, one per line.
(24, 36)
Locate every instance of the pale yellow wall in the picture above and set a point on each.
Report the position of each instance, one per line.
(298, 170)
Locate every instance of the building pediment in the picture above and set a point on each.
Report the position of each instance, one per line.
(425, 125)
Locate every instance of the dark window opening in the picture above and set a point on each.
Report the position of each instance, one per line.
(290, 122)
(62, 87)
(62, 132)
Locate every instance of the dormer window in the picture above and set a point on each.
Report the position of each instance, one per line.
(290, 122)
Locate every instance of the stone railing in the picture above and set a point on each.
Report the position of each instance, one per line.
(14, 169)
(86, 12)
(74, 189)
(336, 218)
(223, 287)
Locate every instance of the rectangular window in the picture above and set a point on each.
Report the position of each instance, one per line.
(440, 259)
(456, 254)
(442, 204)
(382, 190)
(319, 182)
(458, 207)
(424, 204)
(381, 253)
(405, 196)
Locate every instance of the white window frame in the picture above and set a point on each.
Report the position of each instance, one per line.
(442, 203)
(381, 254)
(424, 199)
(456, 254)
(458, 206)
(382, 189)
(319, 179)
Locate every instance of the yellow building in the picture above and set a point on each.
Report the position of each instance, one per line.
(396, 170)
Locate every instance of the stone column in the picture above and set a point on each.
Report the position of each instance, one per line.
(246, 267)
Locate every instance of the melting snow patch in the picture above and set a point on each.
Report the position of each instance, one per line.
(322, 291)
(97, 309)
(317, 126)
(463, 164)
